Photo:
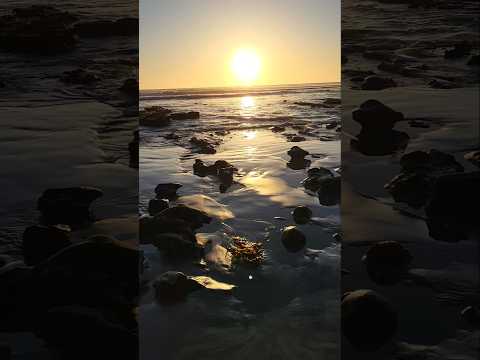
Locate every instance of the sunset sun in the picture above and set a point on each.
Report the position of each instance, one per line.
(246, 65)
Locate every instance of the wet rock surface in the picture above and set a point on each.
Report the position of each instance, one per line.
(368, 319)
(69, 206)
(293, 239)
(387, 262)
(167, 190)
(40, 242)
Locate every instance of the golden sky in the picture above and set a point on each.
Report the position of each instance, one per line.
(192, 43)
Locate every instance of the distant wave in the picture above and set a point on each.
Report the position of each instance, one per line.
(191, 94)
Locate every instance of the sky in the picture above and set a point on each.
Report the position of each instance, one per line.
(191, 43)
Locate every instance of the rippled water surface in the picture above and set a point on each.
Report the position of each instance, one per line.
(287, 307)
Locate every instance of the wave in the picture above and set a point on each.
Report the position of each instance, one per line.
(206, 93)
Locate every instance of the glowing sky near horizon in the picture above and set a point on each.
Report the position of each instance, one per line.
(193, 43)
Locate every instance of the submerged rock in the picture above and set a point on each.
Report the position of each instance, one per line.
(368, 319)
(155, 116)
(387, 262)
(377, 83)
(167, 190)
(190, 115)
(203, 146)
(277, 128)
(40, 242)
(172, 287)
(221, 169)
(151, 227)
(302, 214)
(293, 239)
(69, 206)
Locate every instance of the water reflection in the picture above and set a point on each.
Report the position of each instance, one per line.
(247, 106)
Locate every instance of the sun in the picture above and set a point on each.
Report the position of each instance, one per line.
(246, 66)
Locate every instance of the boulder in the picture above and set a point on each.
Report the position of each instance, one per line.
(387, 262)
(293, 239)
(368, 319)
(40, 242)
(329, 191)
(172, 287)
(315, 178)
(194, 217)
(167, 190)
(150, 227)
(377, 83)
(380, 143)
(176, 244)
(69, 206)
(297, 152)
(157, 205)
(413, 189)
(301, 214)
(374, 116)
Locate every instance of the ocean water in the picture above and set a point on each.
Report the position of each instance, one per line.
(286, 308)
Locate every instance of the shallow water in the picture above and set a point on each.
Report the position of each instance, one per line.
(288, 306)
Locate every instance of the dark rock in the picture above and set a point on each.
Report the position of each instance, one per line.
(133, 150)
(69, 206)
(172, 287)
(302, 214)
(38, 29)
(413, 189)
(474, 60)
(332, 101)
(221, 169)
(315, 178)
(452, 209)
(106, 28)
(91, 334)
(194, 217)
(380, 143)
(387, 262)
(191, 115)
(79, 76)
(151, 227)
(277, 128)
(294, 138)
(155, 116)
(130, 87)
(167, 191)
(378, 83)
(368, 319)
(298, 163)
(418, 124)
(175, 244)
(329, 191)
(203, 146)
(473, 157)
(297, 152)
(5, 351)
(293, 239)
(331, 125)
(460, 50)
(41, 242)
(435, 162)
(101, 271)
(172, 136)
(157, 205)
(374, 116)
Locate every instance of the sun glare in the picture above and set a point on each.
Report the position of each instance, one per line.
(246, 66)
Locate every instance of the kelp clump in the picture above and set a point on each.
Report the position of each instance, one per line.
(246, 252)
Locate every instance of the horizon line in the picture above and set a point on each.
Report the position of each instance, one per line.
(238, 86)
